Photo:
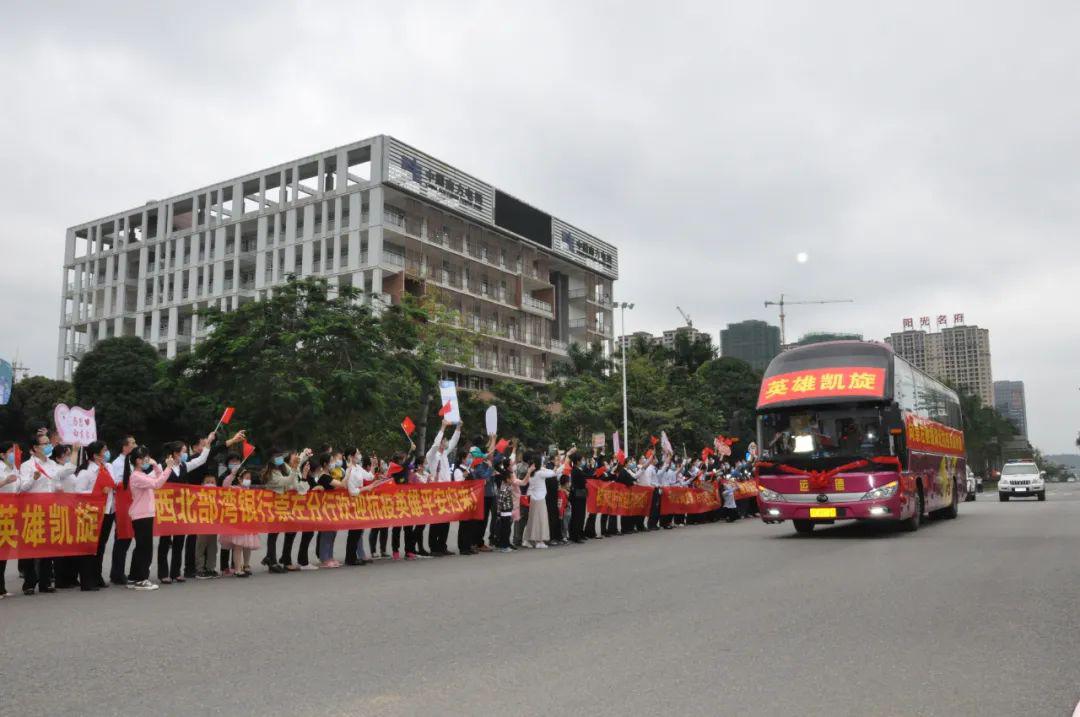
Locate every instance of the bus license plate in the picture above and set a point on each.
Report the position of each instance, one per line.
(823, 512)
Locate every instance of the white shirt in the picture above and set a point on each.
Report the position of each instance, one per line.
(48, 483)
(537, 484)
(355, 478)
(647, 477)
(437, 462)
(83, 481)
(116, 470)
(5, 471)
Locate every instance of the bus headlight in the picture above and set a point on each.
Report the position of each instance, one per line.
(882, 492)
(770, 495)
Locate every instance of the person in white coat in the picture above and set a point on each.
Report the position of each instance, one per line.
(438, 464)
(40, 474)
(9, 484)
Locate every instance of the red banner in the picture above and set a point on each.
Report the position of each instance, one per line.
(933, 437)
(677, 500)
(610, 498)
(822, 383)
(745, 489)
(49, 525)
(209, 510)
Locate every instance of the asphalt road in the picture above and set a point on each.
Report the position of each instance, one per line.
(969, 617)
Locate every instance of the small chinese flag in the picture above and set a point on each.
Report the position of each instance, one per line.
(408, 426)
(653, 440)
(248, 449)
(227, 416)
(649, 453)
(18, 456)
(620, 457)
(502, 445)
(599, 472)
(41, 470)
(706, 452)
(104, 480)
(393, 469)
(447, 407)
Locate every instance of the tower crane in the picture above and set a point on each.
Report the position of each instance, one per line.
(782, 303)
(686, 317)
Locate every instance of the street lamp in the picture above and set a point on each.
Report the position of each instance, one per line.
(623, 306)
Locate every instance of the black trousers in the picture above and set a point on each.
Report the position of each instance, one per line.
(144, 549)
(37, 572)
(377, 536)
(437, 536)
(410, 538)
(502, 530)
(189, 555)
(464, 537)
(654, 510)
(552, 499)
(3, 587)
(118, 563)
(286, 548)
(271, 548)
(103, 539)
(224, 559)
(577, 516)
(353, 540)
(66, 570)
(170, 546)
(590, 525)
(302, 552)
(418, 537)
(89, 575)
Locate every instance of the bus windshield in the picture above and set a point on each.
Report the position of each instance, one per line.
(805, 434)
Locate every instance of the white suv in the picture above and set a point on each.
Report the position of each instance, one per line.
(1021, 479)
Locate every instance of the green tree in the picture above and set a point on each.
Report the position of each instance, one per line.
(31, 405)
(288, 362)
(119, 377)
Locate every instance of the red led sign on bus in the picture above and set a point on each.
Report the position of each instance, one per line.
(836, 382)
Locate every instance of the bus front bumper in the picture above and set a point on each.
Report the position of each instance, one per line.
(831, 510)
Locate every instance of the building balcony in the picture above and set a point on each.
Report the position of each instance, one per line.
(590, 297)
(538, 306)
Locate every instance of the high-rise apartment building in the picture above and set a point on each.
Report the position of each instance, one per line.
(377, 215)
(960, 354)
(753, 341)
(1010, 402)
(667, 338)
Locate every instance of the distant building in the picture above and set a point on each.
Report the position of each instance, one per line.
(755, 342)
(960, 354)
(628, 340)
(1010, 402)
(667, 339)
(820, 337)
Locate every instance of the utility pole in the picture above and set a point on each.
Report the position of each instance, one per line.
(622, 350)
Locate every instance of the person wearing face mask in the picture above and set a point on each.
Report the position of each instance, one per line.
(331, 466)
(171, 571)
(358, 479)
(91, 477)
(279, 478)
(143, 476)
(437, 463)
(206, 546)
(242, 544)
(205, 473)
(118, 562)
(9, 484)
(299, 469)
(40, 474)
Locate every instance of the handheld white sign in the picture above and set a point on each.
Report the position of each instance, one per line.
(75, 425)
(491, 420)
(448, 392)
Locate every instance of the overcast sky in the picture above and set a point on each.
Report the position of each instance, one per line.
(924, 156)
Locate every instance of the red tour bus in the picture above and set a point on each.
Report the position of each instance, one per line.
(848, 430)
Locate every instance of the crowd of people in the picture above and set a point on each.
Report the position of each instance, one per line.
(532, 499)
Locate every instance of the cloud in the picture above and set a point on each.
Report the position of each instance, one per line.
(926, 162)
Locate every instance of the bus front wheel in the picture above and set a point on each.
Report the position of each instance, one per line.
(912, 524)
(803, 527)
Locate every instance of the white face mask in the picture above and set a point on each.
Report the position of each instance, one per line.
(246, 482)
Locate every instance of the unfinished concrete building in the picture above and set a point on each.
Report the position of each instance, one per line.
(377, 215)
